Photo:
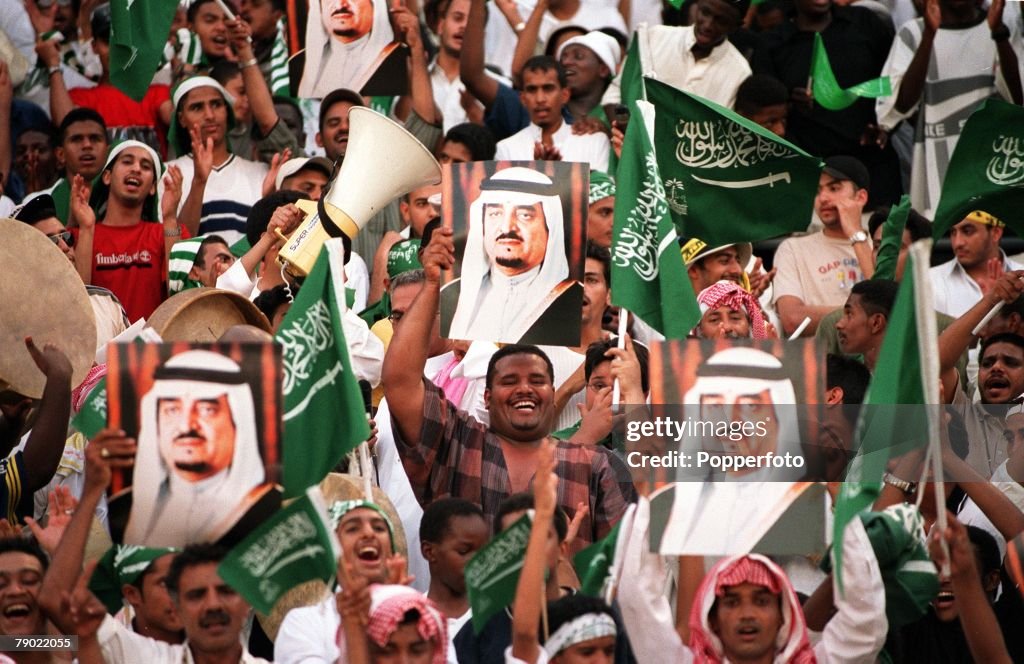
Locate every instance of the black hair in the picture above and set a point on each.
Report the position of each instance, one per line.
(45, 130)
(918, 225)
(27, 546)
(439, 514)
(479, 140)
(80, 114)
(516, 349)
(618, 36)
(759, 91)
(200, 260)
(599, 253)
(262, 210)
(192, 555)
(225, 71)
(287, 101)
(596, 355)
(520, 502)
(99, 23)
(546, 63)
(1002, 337)
(555, 36)
(336, 97)
(270, 300)
(1010, 308)
(140, 580)
(570, 607)
(876, 295)
(434, 11)
(849, 375)
(986, 549)
(193, 9)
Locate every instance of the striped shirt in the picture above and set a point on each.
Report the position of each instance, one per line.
(457, 456)
(230, 191)
(14, 501)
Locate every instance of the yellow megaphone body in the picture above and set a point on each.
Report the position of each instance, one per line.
(383, 161)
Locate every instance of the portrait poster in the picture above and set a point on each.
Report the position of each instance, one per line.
(351, 44)
(207, 423)
(520, 248)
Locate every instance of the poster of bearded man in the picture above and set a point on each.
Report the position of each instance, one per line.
(207, 421)
(520, 247)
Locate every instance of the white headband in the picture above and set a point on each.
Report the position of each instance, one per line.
(584, 628)
(190, 84)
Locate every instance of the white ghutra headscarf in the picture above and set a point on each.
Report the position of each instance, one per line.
(330, 64)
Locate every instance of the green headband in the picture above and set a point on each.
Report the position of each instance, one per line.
(340, 508)
(403, 256)
(601, 186)
(120, 565)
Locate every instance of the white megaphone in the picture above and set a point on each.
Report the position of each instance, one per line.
(383, 161)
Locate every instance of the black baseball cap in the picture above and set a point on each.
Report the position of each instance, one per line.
(842, 167)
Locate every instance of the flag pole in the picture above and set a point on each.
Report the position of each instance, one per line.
(800, 329)
(620, 343)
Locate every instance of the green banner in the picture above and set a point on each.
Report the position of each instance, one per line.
(492, 574)
(826, 89)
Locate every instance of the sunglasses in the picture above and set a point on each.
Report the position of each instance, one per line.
(68, 238)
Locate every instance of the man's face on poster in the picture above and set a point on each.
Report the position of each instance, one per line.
(515, 236)
(748, 406)
(197, 436)
(348, 20)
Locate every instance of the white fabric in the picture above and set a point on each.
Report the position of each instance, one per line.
(357, 277)
(454, 625)
(7, 206)
(448, 95)
(603, 46)
(308, 634)
(15, 23)
(817, 269)
(971, 515)
(330, 64)
(579, 630)
(481, 285)
(962, 72)
(473, 368)
(168, 510)
(500, 44)
(666, 56)
(190, 84)
(542, 657)
(395, 483)
(955, 291)
(120, 645)
(592, 149)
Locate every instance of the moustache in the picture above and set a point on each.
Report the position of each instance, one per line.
(191, 433)
(511, 235)
(214, 618)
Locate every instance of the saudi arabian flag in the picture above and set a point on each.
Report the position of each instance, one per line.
(91, 419)
(986, 171)
(493, 572)
(294, 546)
(826, 89)
(728, 179)
(894, 418)
(631, 84)
(594, 563)
(648, 277)
(323, 407)
(139, 30)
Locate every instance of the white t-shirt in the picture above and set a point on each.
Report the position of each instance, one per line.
(230, 192)
(819, 270)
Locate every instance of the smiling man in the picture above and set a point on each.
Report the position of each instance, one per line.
(447, 452)
(515, 284)
(22, 566)
(198, 469)
(698, 58)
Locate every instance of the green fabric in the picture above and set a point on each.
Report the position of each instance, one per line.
(403, 256)
(61, 195)
(647, 276)
(886, 426)
(908, 574)
(239, 248)
(324, 417)
(180, 263)
(719, 167)
(339, 508)
(594, 562)
(986, 171)
(121, 565)
(631, 83)
(379, 310)
(292, 547)
(91, 419)
(601, 186)
(827, 91)
(568, 432)
(138, 34)
(493, 572)
(892, 240)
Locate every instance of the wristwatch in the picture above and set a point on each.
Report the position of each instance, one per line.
(519, 27)
(172, 232)
(1001, 33)
(859, 236)
(903, 485)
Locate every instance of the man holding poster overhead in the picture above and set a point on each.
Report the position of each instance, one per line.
(198, 468)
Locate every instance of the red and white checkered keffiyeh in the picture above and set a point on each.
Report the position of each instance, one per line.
(792, 645)
(80, 393)
(388, 606)
(732, 295)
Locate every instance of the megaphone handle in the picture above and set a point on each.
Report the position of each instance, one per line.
(281, 236)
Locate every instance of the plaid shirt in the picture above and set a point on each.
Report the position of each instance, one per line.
(457, 456)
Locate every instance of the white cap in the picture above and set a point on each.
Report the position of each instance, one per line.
(293, 166)
(604, 47)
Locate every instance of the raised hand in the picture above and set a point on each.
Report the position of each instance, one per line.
(438, 255)
(933, 15)
(51, 360)
(173, 180)
(42, 19)
(353, 600)
(85, 609)
(406, 24)
(398, 570)
(276, 162)
(202, 155)
(582, 510)
(545, 482)
(81, 212)
(109, 449)
(61, 505)
(542, 152)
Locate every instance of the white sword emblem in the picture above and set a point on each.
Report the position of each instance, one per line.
(769, 180)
